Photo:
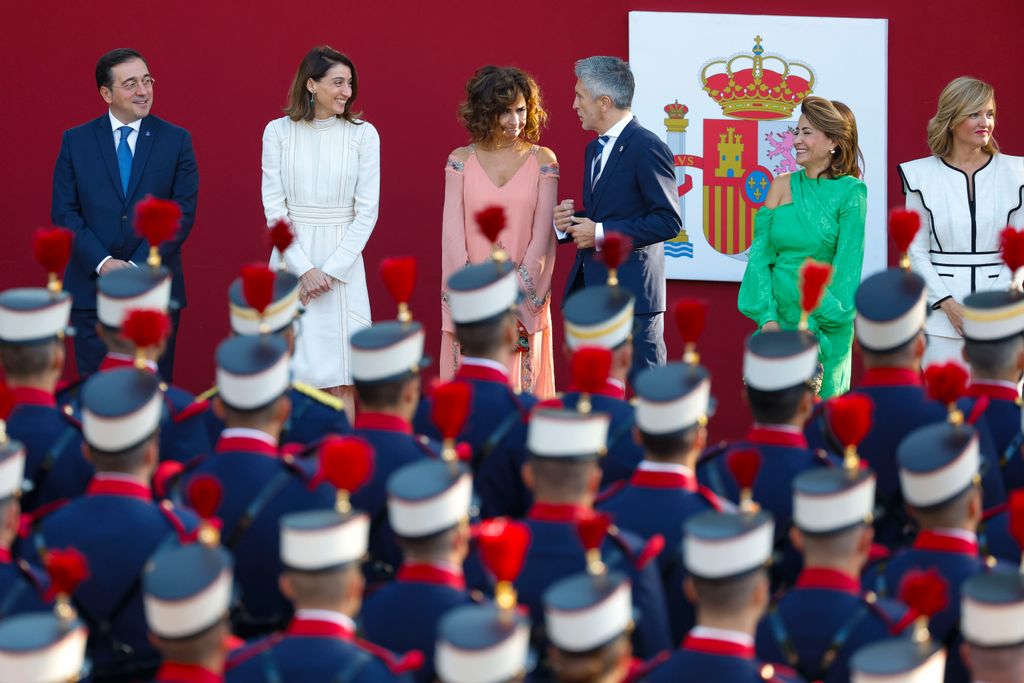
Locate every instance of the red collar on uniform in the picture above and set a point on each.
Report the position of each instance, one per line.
(936, 540)
(382, 422)
(828, 579)
(998, 391)
(890, 377)
(482, 373)
(318, 628)
(100, 486)
(432, 573)
(556, 512)
(713, 646)
(113, 361)
(5, 556)
(610, 389)
(663, 480)
(232, 444)
(172, 672)
(29, 396)
(767, 435)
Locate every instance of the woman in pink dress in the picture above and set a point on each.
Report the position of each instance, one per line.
(504, 166)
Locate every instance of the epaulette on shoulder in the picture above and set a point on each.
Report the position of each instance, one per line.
(319, 396)
(197, 407)
(410, 661)
(649, 551)
(611, 491)
(711, 453)
(244, 654)
(208, 394)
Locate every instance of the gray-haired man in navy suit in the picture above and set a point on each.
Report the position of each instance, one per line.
(104, 168)
(629, 186)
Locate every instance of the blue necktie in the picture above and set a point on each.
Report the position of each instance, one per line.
(124, 157)
(598, 158)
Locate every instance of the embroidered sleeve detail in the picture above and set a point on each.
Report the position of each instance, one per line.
(455, 165)
(550, 170)
(531, 290)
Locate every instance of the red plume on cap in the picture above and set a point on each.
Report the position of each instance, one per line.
(450, 409)
(945, 383)
(281, 235)
(399, 275)
(849, 418)
(158, 220)
(592, 527)
(591, 366)
(615, 248)
(691, 318)
(1011, 245)
(491, 221)
(67, 568)
(346, 462)
(814, 276)
(52, 249)
(145, 327)
(163, 478)
(1015, 512)
(503, 543)
(903, 226)
(6, 400)
(204, 494)
(744, 465)
(925, 592)
(258, 286)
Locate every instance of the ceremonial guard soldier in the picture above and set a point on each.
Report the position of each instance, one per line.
(672, 407)
(21, 587)
(33, 323)
(187, 594)
(320, 551)
(183, 434)
(992, 625)
(49, 646)
(428, 509)
(315, 413)
(993, 332)
(819, 623)
(588, 618)
(261, 484)
(920, 657)
(116, 525)
(781, 373)
(483, 300)
(386, 362)
(602, 317)
(563, 473)
(489, 643)
(727, 555)
(941, 486)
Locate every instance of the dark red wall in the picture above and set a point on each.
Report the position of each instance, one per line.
(223, 71)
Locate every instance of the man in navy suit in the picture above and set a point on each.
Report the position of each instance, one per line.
(104, 168)
(629, 187)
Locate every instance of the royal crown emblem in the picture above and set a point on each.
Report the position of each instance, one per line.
(745, 89)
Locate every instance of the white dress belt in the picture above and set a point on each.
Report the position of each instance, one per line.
(321, 215)
(965, 259)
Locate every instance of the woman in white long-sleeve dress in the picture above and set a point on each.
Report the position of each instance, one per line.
(966, 192)
(321, 172)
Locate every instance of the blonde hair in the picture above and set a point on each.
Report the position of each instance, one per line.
(958, 100)
(837, 122)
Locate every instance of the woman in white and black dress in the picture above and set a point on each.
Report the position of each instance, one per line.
(966, 192)
(321, 172)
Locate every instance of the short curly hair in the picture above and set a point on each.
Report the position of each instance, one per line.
(490, 91)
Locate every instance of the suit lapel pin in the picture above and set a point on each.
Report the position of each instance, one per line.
(147, 133)
(621, 147)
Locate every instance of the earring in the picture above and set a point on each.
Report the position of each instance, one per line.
(832, 151)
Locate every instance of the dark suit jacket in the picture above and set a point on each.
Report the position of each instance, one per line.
(88, 199)
(636, 195)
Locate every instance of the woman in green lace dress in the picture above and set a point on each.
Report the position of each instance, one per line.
(817, 212)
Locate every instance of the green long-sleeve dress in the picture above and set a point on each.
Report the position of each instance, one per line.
(825, 222)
